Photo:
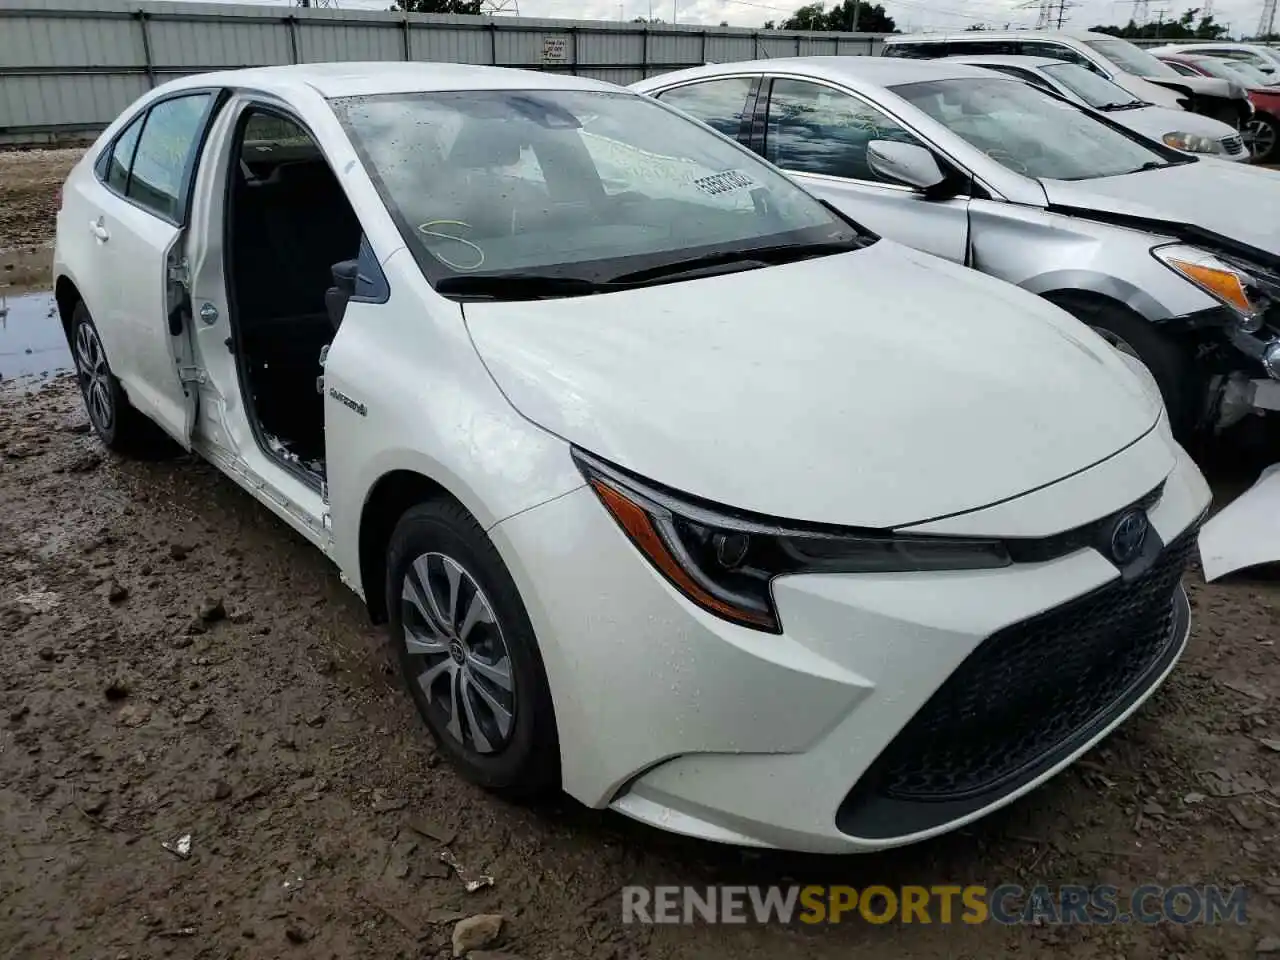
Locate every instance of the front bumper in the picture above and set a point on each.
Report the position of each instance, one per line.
(677, 718)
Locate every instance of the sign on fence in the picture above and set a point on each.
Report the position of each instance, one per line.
(555, 49)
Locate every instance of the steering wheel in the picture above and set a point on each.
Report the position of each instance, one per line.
(473, 250)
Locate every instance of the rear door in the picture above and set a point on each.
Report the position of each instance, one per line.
(138, 227)
(819, 134)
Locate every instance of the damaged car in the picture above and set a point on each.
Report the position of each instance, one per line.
(675, 486)
(1173, 259)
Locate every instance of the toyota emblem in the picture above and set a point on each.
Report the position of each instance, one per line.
(1127, 537)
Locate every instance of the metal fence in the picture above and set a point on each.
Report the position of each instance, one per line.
(68, 67)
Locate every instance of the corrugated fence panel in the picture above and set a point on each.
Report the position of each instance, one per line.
(443, 44)
(727, 49)
(610, 46)
(70, 103)
(205, 44)
(68, 67)
(71, 42)
(675, 48)
(319, 41)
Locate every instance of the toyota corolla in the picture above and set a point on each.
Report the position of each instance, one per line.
(677, 489)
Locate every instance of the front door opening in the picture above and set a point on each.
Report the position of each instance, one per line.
(288, 223)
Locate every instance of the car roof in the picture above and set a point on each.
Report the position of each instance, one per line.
(1006, 60)
(1206, 44)
(367, 79)
(979, 35)
(875, 71)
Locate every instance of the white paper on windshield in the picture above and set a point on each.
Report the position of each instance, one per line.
(1246, 532)
(731, 181)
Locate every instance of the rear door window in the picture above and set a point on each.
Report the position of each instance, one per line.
(165, 153)
(720, 104)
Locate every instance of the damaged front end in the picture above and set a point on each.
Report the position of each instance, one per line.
(1244, 356)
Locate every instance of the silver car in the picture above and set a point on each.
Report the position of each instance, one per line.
(1180, 129)
(1173, 259)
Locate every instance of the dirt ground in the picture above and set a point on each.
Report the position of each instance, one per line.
(175, 662)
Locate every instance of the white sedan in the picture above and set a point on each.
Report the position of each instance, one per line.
(677, 489)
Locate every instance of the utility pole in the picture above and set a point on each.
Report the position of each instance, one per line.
(1267, 22)
(853, 27)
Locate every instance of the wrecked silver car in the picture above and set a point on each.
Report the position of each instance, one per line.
(1174, 259)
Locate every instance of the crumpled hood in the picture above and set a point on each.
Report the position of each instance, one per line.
(876, 388)
(1235, 200)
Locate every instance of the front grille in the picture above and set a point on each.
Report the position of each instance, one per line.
(1233, 144)
(1034, 687)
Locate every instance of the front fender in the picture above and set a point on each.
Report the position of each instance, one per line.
(1104, 285)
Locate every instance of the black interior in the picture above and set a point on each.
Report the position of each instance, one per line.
(289, 223)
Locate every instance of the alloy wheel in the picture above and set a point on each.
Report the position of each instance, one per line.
(1264, 137)
(95, 377)
(460, 659)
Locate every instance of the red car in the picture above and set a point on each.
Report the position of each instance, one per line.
(1263, 129)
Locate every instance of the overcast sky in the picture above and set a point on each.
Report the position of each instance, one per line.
(1242, 15)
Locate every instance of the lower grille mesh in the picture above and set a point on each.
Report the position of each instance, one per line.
(1032, 686)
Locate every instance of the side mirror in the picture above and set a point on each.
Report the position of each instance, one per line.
(345, 273)
(904, 163)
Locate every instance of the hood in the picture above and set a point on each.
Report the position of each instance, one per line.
(1201, 86)
(1155, 122)
(1150, 92)
(876, 388)
(1234, 200)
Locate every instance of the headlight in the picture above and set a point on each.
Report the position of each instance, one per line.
(1233, 285)
(1191, 142)
(725, 561)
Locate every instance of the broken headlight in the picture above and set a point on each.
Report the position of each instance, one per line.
(1247, 292)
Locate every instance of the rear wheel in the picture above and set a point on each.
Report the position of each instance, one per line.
(1170, 362)
(118, 425)
(1266, 134)
(467, 652)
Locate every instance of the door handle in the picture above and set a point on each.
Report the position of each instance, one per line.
(99, 229)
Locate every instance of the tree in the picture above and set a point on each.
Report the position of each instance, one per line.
(1189, 26)
(847, 16)
(473, 7)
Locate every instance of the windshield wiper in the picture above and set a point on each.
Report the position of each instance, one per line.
(518, 286)
(1127, 105)
(746, 258)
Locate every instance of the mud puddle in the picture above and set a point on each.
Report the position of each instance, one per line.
(32, 344)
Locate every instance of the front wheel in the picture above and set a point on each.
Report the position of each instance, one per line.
(1266, 134)
(1170, 362)
(467, 651)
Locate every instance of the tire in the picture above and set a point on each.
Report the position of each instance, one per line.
(1266, 131)
(120, 427)
(1171, 363)
(454, 670)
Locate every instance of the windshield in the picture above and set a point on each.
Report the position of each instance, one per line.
(1235, 70)
(1029, 131)
(1132, 59)
(1094, 90)
(570, 183)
